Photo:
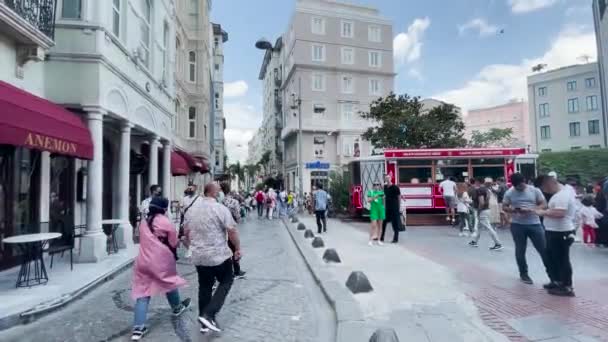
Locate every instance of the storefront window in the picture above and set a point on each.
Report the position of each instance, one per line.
(61, 200)
(26, 173)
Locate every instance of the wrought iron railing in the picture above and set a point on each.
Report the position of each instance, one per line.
(39, 13)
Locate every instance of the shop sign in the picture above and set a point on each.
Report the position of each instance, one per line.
(317, 165)
(47, 143)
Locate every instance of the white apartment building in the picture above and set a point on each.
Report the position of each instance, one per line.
(337, 58)
(219, 121)
(601, 36)
(565, 109)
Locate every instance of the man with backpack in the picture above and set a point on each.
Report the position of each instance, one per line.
(481, 202)
(259, 199)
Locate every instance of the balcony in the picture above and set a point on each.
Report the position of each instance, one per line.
(277, 78)
(29, 22)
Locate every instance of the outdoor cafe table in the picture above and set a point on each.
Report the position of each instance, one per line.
(32, 247)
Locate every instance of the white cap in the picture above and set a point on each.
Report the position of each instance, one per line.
(488, 180)
(552, 174)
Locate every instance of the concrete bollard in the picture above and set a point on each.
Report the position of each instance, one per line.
(384, 335)
(357, 282)
(331, 255)
(317, 242)
(301, 226)
(294, 219)
(309, 234)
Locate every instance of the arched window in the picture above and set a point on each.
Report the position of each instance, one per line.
(191, 122)
(145, 31)
(192, 66)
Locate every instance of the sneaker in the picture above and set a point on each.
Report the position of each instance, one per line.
(138, 333)
(526, 279)
(447, 218)
(204, 330)
(370, 243)
(565, 291)
(496, 247)
(185, 304)
(461, 234)
(473, 244)
(380, 243)
(395, 241)
(240, 275)
(551, 285)
(209, 323)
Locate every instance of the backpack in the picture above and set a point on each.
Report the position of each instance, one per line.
(259, 197)
(269, 200)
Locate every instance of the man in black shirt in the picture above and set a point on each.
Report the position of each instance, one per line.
(392, 196)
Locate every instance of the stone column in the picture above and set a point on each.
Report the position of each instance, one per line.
(125, 231)
(166, 172)
(93, 243)
(153, 162)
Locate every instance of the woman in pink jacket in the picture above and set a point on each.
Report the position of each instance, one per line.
(155, 269)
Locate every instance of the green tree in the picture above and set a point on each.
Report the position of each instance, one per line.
(495, 137)
(236, 170)
(339, 189)
(403, 123)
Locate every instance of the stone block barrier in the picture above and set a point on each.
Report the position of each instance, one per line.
(357, 282)
(331, 255)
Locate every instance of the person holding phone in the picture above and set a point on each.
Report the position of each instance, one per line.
(522, 201)
(375, 198)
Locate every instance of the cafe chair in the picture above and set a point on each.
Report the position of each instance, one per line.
(66, 243)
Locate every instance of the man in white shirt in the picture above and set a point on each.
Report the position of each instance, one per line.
(559, 231)
(448, 189)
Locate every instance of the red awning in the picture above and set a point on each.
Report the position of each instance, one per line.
(193, 164)
(204, 164)
(33, 122)
(179, 165)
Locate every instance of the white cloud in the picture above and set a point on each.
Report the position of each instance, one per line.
(497, 83)
(416, 74)
(407, 46)
(242, 121)
(236, 143)
(525, 6)
(480, 25)
(235, 89)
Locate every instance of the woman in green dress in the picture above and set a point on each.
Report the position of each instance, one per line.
(375, 198)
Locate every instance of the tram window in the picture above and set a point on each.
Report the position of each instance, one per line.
(488, 161)
(415, 175)
(459, 173)
(355, 171)
(493, 172)
(449, 162)
(415, 162)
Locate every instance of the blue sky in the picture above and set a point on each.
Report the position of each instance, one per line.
(448, 49)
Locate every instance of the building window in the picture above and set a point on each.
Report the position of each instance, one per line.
(348, 28)
(375, 59)
(217, 67)
(545, 132)
(575, 129)
(592, 102)
(318, 111)
(348, 84)
(594, 127)
(350, 146)
(590, 82)
(595, 146)
(573, 105)
(318, 82)
(217, 100)
(217, 158)
(542, 91)
(318, 53)
(71, 9)
(318, 25)
(191, 122)
(546, 150)
(348, 111)
(574, 148)
(375, 87)
(374, 34)
(165, 51)
(192, 66)
(348, 55)
(543, 110)
(205, 132)
(116, 17)
(145, 32)
(571, 85)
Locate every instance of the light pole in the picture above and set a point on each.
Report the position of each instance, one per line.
(296, 103)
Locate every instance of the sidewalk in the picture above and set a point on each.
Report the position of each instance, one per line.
(419, 298)
(22, 305)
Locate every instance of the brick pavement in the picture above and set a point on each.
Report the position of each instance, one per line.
(276, 302)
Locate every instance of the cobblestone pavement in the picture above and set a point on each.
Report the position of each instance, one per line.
(520, 312)
(278, 301)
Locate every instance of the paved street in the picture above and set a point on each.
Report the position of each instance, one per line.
(278, 301)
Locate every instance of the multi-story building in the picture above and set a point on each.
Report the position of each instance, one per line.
(219, 121)
(565, 109)
(336, 59)
(430, 103)
(193, 121)
(601, 36)
(513, 114)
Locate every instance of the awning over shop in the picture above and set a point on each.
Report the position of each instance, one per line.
(204, 164)
(33, 122)
(179, 165)
(193, 164)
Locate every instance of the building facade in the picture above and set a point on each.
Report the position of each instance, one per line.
(601, 36)
(565, 109)
(336, 59)
(512, 115)
(219, 121)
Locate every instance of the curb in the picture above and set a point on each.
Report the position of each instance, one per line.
(34, 313)
(349, 318)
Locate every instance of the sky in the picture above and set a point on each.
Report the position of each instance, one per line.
(472, 53)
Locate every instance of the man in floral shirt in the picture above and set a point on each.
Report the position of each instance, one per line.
(235, 210)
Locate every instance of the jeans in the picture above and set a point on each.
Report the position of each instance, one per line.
(558, 257)
(483, 221)
(463, 219)
(521, 233)
(260, 207)
(320, 214)
(209, 305)
(395, 220)
(473, 220)
(141, 307)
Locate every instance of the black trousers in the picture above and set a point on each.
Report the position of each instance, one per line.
(235, 263)
(558, 257)
(320, 214)
(395, 220)
(209, 305)
(260, 207)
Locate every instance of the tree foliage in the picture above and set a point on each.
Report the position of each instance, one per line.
(403, 123)
(589, 166)
(495, 137)
(339, 189)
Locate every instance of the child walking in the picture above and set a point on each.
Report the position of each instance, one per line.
(588, 214)
(462, 208)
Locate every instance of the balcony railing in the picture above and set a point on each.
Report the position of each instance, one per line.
(39, 13)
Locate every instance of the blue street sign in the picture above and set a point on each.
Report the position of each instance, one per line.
(317, 165)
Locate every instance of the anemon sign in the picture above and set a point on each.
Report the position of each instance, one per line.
(51, 144)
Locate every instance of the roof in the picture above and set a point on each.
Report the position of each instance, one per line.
(217, 30)
(278, 45)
